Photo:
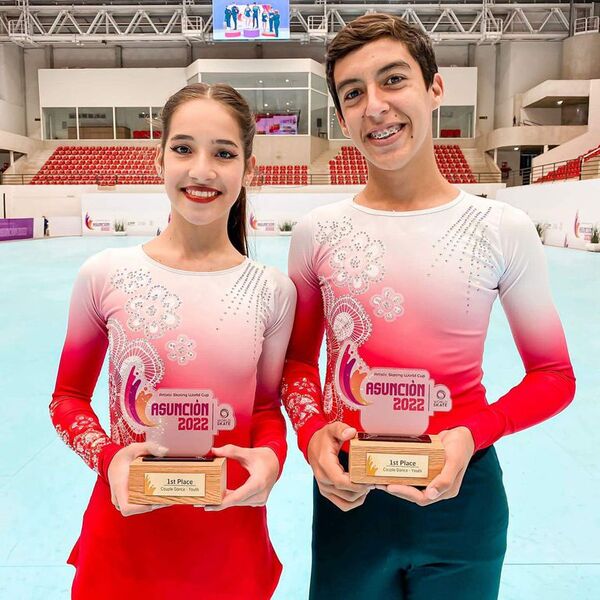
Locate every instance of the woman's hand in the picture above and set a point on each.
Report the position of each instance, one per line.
(459, 447)
(118, 477)
(263, 466)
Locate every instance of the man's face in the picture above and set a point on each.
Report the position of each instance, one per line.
(386, 107)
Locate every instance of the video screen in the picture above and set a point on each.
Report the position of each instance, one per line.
(274, 124)
(236, 21)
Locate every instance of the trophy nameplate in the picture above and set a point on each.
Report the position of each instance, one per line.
(395, 459)
(395, 405)
(177, 480)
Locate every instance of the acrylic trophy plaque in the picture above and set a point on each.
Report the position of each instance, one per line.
(395, 406)
(185, 422)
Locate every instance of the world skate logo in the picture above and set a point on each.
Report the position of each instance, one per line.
(390, 400)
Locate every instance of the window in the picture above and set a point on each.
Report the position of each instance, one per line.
(60, 123)
(279, 111)
(96, 123)
(133, 123)
(456, 121)
(318, 114)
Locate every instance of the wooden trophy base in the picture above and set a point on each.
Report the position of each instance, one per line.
(170, 480)
(395, 459)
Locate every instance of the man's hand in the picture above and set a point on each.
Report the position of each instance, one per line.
(334, 483)
(459, 447)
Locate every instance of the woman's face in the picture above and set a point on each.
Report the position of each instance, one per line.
(203, 162)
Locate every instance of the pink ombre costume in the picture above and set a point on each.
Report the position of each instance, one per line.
(405, 301)
(219, 336)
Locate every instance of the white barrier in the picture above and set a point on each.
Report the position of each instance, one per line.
(147, 212)
(567, 210)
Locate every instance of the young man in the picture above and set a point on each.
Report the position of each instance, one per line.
(402, 279)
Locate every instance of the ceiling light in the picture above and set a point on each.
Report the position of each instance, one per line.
(266, 105)
(260, 81)
(559, 102)
(516, 148)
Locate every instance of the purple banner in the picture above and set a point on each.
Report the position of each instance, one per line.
(16, 229)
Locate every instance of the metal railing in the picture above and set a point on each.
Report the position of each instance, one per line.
(577, 168)
(573, 169)
(587, 25)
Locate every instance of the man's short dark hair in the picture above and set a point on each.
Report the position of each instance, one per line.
(371, 27)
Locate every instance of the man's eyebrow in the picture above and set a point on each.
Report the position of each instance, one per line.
(398, 64)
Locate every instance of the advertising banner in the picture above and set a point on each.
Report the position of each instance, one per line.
(16, 229)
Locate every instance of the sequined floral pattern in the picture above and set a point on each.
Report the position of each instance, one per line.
(131, 281)
(332, 405)
(330, 233)
(357, 262)
(299, 401)
(82, 422)
(345, 316)
(153, 312)
(151, 307)
(89, 445)
(181, 350)
(62, 434)
(388, 304)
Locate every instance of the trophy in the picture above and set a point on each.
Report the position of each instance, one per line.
(185, 422)
(395, 406)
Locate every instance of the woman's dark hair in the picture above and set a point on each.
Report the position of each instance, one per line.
(371, 27)
(232, 100)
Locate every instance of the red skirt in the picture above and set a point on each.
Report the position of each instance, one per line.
(174, 552)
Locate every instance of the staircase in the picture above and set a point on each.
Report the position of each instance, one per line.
(480, 162)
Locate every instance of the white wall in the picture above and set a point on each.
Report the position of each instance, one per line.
(34, 60)
(12, 89)
(109, 87)
(521, 66)
(451, 56)
(483, 58)
(594, 106)
(460, 87)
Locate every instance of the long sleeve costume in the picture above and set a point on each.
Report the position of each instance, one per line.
(223, 333)
(404, 299)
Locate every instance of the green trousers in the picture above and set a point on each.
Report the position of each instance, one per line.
(389, 548)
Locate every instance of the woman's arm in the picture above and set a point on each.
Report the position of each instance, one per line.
(83, 354)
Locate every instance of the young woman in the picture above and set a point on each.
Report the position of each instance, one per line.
(403, 278)
(186, 311)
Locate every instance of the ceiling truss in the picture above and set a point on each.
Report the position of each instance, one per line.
(190, 21)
